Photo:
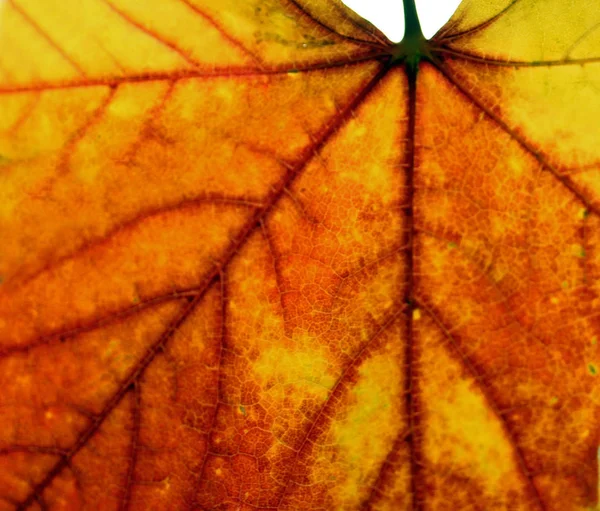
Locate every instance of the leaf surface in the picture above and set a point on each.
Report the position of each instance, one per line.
(256, 257)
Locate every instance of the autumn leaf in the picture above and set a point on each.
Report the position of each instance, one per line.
(257, 257)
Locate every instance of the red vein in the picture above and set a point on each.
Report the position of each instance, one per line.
(109, 54)
(154, 113)
(47, 37)
(113, 317)
(485, 271)
(154, 35)
(80, 133)
(562, 179)
(131, 223)
(32, 449)
(250, 227)
(491, 402)
(337, 388)
(4, 72)
(25, 114)
(112, 81)
(219, 28)
(514, 63)
(587, 247)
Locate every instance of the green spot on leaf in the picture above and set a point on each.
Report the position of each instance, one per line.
(592, 369)
(452, 245)
(243, 410)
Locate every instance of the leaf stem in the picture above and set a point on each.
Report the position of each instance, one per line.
(412, 30)
(413, 46)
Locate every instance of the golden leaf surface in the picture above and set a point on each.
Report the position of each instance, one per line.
(257, 257)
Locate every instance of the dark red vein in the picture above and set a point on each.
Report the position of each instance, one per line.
(123, 314)
(275, 258)
(565, 181)
(409, 232)
(466, 362)
(219, 386)
(111, 404)
(112, 81)
(477, 28)
(367, 265)
(368, 28)
(234, 42)
(514, 63)
(386, 466)
(47, 37)
(308, 15)
(138, 370)
(136, 410)
(302, 209)
(42, 503)
(111, 318)
(150, 33)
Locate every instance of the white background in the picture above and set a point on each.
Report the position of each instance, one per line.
(388, 15)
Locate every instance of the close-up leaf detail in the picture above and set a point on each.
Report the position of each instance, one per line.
(256, 257)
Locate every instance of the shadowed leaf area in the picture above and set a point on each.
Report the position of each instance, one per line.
(256, 257)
